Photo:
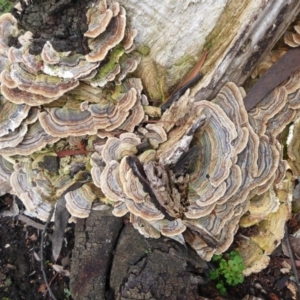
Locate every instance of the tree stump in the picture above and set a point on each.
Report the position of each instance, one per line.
(113, 261)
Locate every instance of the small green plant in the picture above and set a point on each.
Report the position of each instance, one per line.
(67, 293)
(229, 271)
(148, 251)
(5, 6)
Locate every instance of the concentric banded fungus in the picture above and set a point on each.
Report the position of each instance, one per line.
(112, 36)
(14, 138)
(32, 196)
(6, 169)
(108, 114)
(269, 107)
(79, 202)
(253, 256)
(35, 139)
(42, 84)
(260, 207)
(271, 230)
(65, 64)
(11, 115)
(293, 38)
(8, 28)
(191, 176)
(98, 18)
(49, 77)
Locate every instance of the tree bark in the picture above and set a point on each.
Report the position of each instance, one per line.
(237, 35)
(95, 239)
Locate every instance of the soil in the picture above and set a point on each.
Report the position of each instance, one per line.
(20, 271)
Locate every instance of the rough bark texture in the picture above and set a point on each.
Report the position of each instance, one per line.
(63, 22)
(154, 269)
(236, 33)
(95, 241)
(242, 40)
(137, 268)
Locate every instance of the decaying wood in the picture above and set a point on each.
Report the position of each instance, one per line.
(280, 71)
(245, 39)
(95, 240)
(107, 264)
(236, 33)
(157, 269)
(112, 261)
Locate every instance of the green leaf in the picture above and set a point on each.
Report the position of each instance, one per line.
(216, 258)
(223, 264)
(214, 274)
(220, 286)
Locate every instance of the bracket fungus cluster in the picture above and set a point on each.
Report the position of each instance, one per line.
(50, 96)
(201, 170)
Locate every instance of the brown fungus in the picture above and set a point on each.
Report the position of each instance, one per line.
(112, 36)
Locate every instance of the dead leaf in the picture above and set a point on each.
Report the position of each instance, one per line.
(273, 297)
(43, 288)
(36, 256)
(286, 267)
(59, 269)
(61, 221)
(33, 237)
(293, 288)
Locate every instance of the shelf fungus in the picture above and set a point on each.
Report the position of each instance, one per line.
(256, 248)
(73, 124)
(293, 38)
(50, 92)
(111, 112)
(79, 202)
(6, 169)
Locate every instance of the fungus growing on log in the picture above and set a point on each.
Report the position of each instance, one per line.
(6, 169)
(11, 115)
(293, 38)
(35, 139)
(79, 201)
(199, 172)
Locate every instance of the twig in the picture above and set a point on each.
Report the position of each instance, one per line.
(291, 254)
(42, 254)
(53, 278)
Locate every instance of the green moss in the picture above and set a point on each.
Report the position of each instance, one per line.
(108, 67)
(185, 61)
(143, 49)
(5, 6)
(223, 32)
(185, 64)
